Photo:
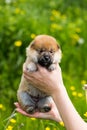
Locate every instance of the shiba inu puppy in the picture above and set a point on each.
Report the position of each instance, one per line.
(45, 51)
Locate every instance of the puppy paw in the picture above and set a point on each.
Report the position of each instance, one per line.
(31, 67)
(52, 67)
(45, 108)
(30, 110)
(44, 104)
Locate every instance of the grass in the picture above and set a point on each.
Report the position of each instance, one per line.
(20, 22)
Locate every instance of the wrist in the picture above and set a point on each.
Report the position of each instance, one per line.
(59, 88)
(59, 92)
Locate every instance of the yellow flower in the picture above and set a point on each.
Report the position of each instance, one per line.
(63, 17)
(85, 114)
(54, 129)
(83, 82)
(75, 37)
(13, 121)
(47, 128)
(2, 107)
(54, 25)
(33, 36)
(17, 10)
(74, 93)
(80, 95)
(56, 13)
(33, 119)
(78, 30)
(9, 127)
(18, 43)
(72, 88)
(61, 123)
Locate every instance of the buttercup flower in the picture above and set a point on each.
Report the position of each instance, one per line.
(61, 123)
(85, 114)
(78, 30)
(33, 36)
(47, 128)
(9, 127)
(83, 82)
(18, 43)
(63, 17)
(33, 119)
(13, 120)
(56, 13)
(2, 107)
(54, 129)
(80, 95)
(17, 10)
(74, 93)
(72, 88)
(54, 26)
(75, 37)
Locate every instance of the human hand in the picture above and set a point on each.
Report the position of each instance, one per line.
(53, 114)
(48, 82)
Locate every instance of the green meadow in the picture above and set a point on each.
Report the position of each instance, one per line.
(20, 22)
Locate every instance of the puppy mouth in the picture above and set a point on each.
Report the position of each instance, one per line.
(45, 60)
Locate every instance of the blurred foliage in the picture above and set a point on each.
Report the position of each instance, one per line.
(22, 20)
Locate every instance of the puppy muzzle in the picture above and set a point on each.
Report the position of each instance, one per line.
(45, 60)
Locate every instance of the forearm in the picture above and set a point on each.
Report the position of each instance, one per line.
(71, 118)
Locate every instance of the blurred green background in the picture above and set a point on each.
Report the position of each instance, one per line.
(20, 22)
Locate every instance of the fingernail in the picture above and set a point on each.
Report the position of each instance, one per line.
(15, 103)
(17, 109)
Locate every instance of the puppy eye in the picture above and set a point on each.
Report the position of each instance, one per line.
(38, 50)
(42, 50)
(51, 51)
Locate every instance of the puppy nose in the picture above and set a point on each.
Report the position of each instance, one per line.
(45, 60)
(47, 57)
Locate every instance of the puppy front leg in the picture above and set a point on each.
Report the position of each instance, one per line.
(31, 67)
(52, 67)
(26, 102)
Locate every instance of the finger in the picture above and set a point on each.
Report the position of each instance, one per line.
(27, 77)
(17, 104)
(23, 112)
(35, 115)
(39, 66)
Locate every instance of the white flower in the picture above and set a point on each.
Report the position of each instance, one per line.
(81, 41)
(8, 1)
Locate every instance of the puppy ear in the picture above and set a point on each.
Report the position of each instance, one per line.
(27, 50)
(58, 46)
(30, 46)
(32, 43)
(59, 53)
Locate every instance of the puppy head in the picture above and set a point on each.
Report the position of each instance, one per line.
(44, 50)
